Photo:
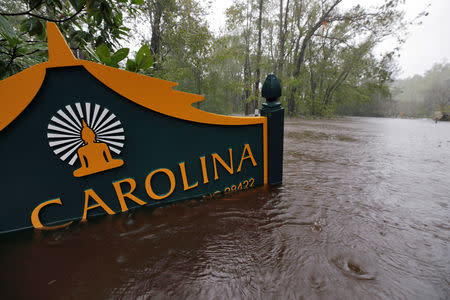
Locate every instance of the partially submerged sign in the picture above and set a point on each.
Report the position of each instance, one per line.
(80, 139)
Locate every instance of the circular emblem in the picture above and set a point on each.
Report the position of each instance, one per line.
(89, 131)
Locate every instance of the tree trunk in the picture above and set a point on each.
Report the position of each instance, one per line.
(247, 88)
(301, 55)
(258, 60)
(282, 37)
(291, 101)
(155, 42)
(330, 90)
(247, 70)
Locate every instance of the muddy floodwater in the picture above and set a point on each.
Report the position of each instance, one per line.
(363, 213)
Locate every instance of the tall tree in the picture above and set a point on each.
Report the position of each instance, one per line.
(314, 25)
(254, 103)
(283, 23)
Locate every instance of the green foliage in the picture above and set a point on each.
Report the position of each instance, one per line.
(33, 27)
(104, 55)
(142, 61)
(8, 33)
(324, 69)
(15, 52)
(87, 25)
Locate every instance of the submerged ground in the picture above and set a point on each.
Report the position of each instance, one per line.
(363, 213)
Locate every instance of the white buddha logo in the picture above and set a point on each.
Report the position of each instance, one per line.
(89, 136)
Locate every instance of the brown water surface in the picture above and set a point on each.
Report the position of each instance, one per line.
(363, 213)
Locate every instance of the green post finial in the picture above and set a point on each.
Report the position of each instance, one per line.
(274, 113)
(271, 89)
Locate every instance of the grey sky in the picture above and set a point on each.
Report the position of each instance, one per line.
(426, 44)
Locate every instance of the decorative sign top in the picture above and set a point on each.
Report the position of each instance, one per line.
(105, 140)
(147, 91)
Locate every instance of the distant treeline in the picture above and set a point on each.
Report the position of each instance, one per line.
(422, 96)
(322, 53)
(414, 97)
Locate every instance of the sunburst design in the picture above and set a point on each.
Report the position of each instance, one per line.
(64, 129)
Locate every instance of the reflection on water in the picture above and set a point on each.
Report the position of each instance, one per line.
(363, 213)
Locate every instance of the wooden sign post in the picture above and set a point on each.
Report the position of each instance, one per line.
(79, 139)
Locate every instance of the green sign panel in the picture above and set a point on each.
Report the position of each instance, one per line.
(80, 139)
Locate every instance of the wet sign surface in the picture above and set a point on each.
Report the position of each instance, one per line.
(80, 139)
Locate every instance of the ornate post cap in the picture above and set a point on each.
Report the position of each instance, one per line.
(274, 113)
(271, 89)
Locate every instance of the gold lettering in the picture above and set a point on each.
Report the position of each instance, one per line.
(229, 168)
(35, 216)
(96, 198)
(186, 185)
(205, 174)
(121, 196)
(250, 155)
(148, 185)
